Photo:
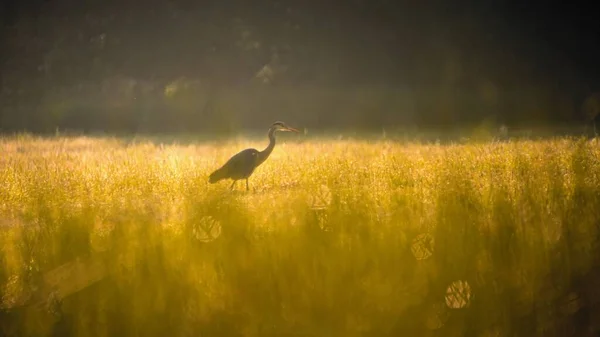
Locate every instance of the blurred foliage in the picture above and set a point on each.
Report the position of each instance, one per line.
(107, 65)
(122, 105)
(336, 238)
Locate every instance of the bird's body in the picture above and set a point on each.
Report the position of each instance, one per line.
(242, 165)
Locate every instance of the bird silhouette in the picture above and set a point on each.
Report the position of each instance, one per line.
(242, 165)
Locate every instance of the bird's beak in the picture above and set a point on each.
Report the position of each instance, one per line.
(287, 128)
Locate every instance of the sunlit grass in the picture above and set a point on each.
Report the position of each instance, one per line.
(335, 238)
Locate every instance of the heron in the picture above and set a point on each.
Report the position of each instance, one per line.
(242, 165)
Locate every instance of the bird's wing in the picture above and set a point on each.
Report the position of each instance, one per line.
(243, 160)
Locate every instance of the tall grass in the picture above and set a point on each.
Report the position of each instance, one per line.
(336, 238)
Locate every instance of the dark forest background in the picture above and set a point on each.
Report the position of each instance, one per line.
(206, 66)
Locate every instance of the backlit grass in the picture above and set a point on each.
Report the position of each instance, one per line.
(336, 238)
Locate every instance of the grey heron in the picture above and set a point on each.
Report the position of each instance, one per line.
(242, 165)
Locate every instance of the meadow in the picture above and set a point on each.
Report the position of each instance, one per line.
(337, 237)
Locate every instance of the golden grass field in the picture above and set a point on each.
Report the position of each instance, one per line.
(335, 238)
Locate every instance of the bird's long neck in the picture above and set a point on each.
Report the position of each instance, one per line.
(264, 154)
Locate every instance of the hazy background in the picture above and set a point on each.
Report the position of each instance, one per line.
(228, 65)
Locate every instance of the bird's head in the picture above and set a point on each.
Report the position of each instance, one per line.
(280, 126)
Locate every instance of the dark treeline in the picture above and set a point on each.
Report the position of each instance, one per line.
(185, 65)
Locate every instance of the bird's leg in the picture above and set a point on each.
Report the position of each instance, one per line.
(232, 184)
(247, 188)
